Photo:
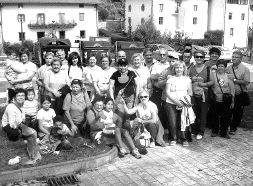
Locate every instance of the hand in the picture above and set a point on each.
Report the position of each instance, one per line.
(231, 77)
(201, 84)
(121, 92)
(232, 105)
(179, 104)
(13, 82)
(138, 120)
(122, 101)
(59, 132)
(103, 116)
(57, 93)
(74, 129)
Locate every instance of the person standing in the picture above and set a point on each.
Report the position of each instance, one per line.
(187, 55)
(149, 59)
(240, 75)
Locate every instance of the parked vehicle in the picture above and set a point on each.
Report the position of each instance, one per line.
(156, 47)
(200, 48)
(226, 54)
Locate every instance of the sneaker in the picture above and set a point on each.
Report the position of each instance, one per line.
(232, 132)
(122, 152)
(173, 143)
(199, 137)
(214, 134)
(136, 154)
(185, 144)
(162, 144)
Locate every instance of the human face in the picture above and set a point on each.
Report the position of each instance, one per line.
(46, 105)
(20, 98)
(163, 55)
(61, 55)
(236, 59)
(187, 57)
(76, 89)
(92, 61)
(13, 56)
(49, 60)
(109, 106)
(221, 68)
(30, 95)
(143, 97)
(56, 66)
(148, 57)
(199, 58)
(137, 62)
(74, 60)
(24, 58)
(187, 48)
(98, 106)
(58, 124)
(121, 55)
(214, 56)
(123, 68)
(179, 69)
(105, 63)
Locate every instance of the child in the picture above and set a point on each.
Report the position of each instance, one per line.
(41, 73)
(30, 109)
(45, 117)
(59, 134)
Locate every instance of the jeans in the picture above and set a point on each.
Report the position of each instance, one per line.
(152, 128)
(237, 114)
(221, 120)
(200, 110)
(174, 117)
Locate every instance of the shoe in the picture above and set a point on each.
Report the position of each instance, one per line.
(199, 137)
(173, 143)
(185, 144)
(152, 145)
(122, 152)
(162, 144)
(214, 134)
(136, 154)
(232, 132)
(225, 136)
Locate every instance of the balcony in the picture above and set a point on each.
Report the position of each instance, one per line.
(52, 25)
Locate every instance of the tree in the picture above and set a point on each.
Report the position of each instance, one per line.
(215, 37)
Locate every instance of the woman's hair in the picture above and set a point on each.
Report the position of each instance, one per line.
(48, 54)
(77, 82)
(179, 63)
(98, 98)
(143, 91)
(24, 51)
(72, 56)
(19, 90)
(56, 59)
(221, 61)
(29, 90)
(147, 50)
(199, 52)
(135, 55)
(214, 50)
(58, 118)
(45, 98)
(106, 100)
(9, 50)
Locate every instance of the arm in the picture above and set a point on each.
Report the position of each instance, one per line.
(42, 128)
(127, 110)
(168, 94)
(94, 121)
(153, 118)
(11, 117)
(137, 90)
(111, 89)
(73, 126)
(87, 99)
(96, 87)
(208, 83)
(25, 79)
(232, 91)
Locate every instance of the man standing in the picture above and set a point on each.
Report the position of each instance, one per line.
(187, 55)
(240, 75)
(120, 55)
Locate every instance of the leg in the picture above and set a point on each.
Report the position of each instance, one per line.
(172, 118)
(225, 119)
(215, 121)
(128, 138)
(237, 113)
(152, 129)
(197, 110)
(12, 134)
(118, 137)
(203, 115)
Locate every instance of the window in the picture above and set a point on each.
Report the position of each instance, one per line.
(161, 7)
(82, 34)
(129, 21)
(230, 16)
(21, 18)
(242, 16)
(243, 2)
(143, 7)
(177, 7)
(195, 21)
(41, 19)
(62, 34)
(142, 20)
(195, 7)
(231, 31)
(21, 36)
(81, 16)
(129, 8)
(160, 20)
(20, 5)
(61, 17)
(40, 34)
(233, 1)
(81, 5)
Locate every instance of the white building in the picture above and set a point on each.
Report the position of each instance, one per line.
(231, 16)
(33, 19)
(187, 16)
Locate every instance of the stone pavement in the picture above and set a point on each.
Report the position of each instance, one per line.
(210, 161)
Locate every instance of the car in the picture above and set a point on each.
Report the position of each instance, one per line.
(156, 47)
(226, 54)
(200, 48)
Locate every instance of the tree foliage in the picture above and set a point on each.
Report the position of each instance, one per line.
(215, 37)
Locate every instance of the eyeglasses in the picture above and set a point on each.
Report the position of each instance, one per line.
(199, 57)
(162, 54)
(141, 97)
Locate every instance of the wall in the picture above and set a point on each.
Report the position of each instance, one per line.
(11, 26)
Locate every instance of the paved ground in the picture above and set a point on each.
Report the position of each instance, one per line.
(211, 161)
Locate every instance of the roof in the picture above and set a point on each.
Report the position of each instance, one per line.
(127, 45)
(46, 42)
(50, 1)
(96, 44)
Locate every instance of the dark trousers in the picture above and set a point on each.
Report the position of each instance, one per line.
(174, 118)
(221, 120)
(200, 110)
(152, 128)
(156, 99)
(237, 114)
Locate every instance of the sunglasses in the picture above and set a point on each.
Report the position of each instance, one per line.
(162, 54)
(141, 97)
(199, 57)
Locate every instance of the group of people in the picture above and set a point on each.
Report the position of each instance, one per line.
(123, 99)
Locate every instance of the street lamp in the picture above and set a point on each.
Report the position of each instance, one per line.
(21, 19)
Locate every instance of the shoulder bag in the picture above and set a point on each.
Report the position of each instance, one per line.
(226, 97)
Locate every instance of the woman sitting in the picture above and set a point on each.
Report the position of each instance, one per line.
(14, 128)
(100, 120)
(147, 115)
(75, 105)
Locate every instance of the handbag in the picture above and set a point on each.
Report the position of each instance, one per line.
(226, 97)
(243, 97)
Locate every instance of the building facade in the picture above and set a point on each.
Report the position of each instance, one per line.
(26, 19)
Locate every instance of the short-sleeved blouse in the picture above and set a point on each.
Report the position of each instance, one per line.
(146, 113)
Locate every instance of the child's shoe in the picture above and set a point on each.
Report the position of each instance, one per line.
(136, 153)
(122, 152)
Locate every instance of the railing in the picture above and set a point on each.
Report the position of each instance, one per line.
(52, 25)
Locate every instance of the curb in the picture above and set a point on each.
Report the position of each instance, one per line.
(58, 168)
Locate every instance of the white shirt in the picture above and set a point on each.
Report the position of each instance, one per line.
(46, 116)
(146, 113)
(89, 73)
(143, 75)
(103, 78)
(75, 72)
